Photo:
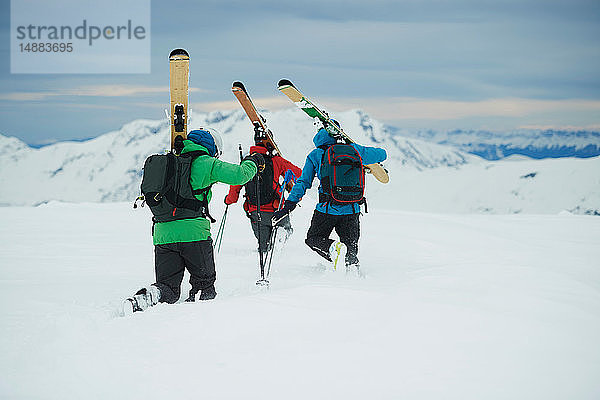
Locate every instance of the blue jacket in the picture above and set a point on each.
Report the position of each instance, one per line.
(312, 167)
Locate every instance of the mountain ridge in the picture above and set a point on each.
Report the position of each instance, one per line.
(108, 167)
(424, 176)
(487, 144)
(534, 143)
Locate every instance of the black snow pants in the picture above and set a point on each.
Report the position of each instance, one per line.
(265, 227)
(170, 262)
(346, 226)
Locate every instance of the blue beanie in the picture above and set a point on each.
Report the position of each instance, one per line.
(203, 138)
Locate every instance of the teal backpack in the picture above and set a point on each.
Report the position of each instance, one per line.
(342, 175)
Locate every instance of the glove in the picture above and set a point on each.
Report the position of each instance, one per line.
(257, 159)
(227, 202)
(279, 215)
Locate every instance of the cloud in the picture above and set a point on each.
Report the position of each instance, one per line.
(406, 108)
(262, 103)
(89, 91)
(399, 108)
(383, 108)
(499, 113)
(382, 10)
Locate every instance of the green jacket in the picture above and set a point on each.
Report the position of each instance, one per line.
(206, 170)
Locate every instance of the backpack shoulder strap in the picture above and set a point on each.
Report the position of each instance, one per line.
(195, 154)
(195, 204)
(324, 184)
(204, 201)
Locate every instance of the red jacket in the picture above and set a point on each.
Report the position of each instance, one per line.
(280, 166)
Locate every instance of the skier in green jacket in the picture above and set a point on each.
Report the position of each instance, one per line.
(186, 243)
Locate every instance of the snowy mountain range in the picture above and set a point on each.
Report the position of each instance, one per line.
(425, 176)
(108, 168)
(539, 144)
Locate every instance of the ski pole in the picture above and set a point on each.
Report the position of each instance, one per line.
(262, 280)
(289, 175)
(272, 241)
(219, 237)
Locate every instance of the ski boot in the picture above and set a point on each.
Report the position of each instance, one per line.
(337, 252)
(141, 300)
(354, 269)
(208, 294)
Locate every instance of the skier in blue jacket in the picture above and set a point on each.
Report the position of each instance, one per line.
(344, 218)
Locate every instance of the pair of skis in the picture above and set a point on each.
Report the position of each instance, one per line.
(262, 133)
(287, 88)
(179, 72)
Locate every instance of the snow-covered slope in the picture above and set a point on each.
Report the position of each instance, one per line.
(508, 186)
(108, 168)
(532, 143)
(452, 307)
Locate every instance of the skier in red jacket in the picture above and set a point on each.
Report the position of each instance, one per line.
(268, 191)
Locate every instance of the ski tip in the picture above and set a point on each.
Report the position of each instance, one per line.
(284, 82)
(178, 54)
(238, 85)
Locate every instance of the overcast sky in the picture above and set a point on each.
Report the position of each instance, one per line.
(414, 64)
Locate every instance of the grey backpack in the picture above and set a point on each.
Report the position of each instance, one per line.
(167, 190)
